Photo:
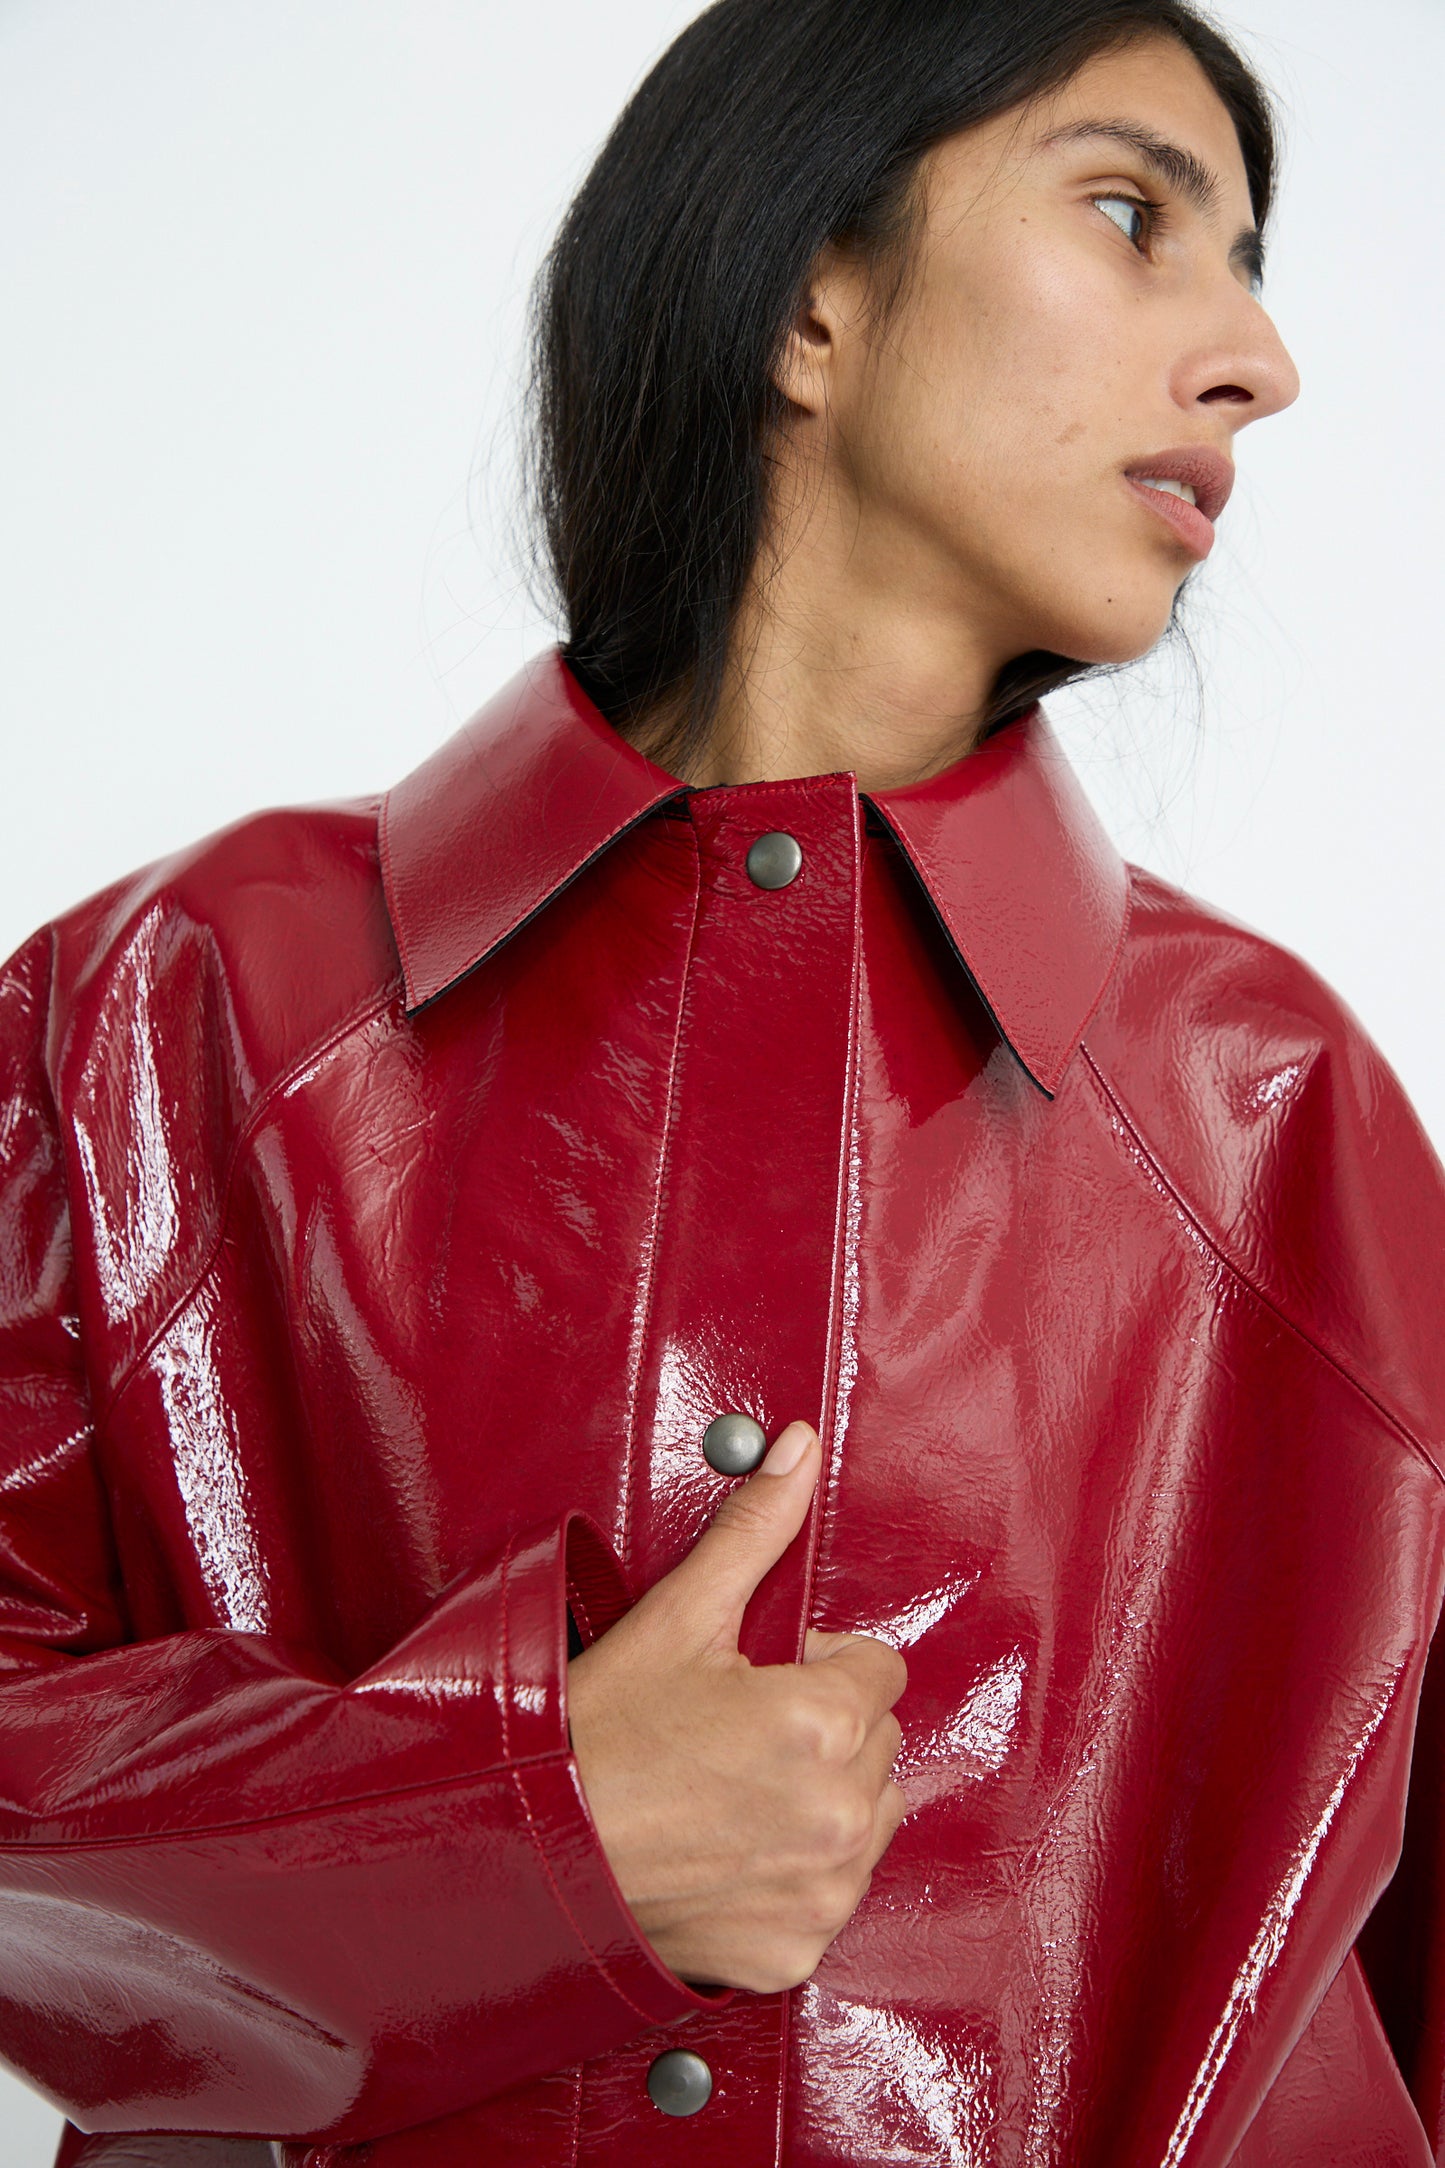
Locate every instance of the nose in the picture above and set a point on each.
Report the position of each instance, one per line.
(1242, 363)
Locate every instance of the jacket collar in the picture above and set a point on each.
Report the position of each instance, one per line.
(1028, 888)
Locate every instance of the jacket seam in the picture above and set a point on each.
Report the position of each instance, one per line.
(492, 1773)
(245, 1135)
(574, 2135)
(568, 1914)
(505, 1682)
(826, 1495)
(521, 1790)
(1354, 1784)
(1247, 1281)
(659, 1191)
(581, 1611)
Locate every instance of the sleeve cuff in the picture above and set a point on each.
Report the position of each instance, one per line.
(573, 1565)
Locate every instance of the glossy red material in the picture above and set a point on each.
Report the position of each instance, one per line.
(390, 1198)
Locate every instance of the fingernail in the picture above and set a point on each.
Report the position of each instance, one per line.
(787, 1449)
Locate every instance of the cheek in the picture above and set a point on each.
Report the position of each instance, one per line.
(1026, 369)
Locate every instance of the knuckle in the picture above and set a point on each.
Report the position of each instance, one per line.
(794, 1719)
(841, 1734)
(844, 1826)
(831, 1903)
(837, 1725)
(855, 1732)
(805, 1720)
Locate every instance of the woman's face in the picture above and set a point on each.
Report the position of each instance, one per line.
(1081, 315)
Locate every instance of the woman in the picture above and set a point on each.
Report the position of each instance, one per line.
(421, 1221)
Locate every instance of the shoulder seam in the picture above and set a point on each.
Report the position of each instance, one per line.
(250, 1122)
(1246, 1280)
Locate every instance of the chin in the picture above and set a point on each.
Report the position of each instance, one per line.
(1116, 627)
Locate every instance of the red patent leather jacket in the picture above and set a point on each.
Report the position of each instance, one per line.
(388, 1205)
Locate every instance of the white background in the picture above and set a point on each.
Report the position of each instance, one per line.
(264, 267)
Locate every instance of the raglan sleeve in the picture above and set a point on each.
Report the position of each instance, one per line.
(239, 1892)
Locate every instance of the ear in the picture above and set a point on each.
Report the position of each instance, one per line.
(824, 322)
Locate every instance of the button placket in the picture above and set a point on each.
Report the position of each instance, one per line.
(742, 1314)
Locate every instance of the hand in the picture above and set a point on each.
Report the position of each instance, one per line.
(742, 1807)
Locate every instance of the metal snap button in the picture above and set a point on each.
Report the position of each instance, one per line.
(679, 2082)
(734, 1444)
(774, 860)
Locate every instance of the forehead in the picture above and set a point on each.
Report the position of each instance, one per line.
(1153, 84)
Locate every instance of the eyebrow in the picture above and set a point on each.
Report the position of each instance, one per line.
(1179, 169)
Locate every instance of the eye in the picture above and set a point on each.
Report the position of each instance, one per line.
(1131, 214)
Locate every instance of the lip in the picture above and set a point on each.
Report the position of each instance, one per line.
(1207, 472)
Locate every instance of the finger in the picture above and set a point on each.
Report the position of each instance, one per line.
(876, 1671)
(889, 1812)
(750, 1532)
(879, 1752)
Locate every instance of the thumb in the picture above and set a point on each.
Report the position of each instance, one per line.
(750, 1532)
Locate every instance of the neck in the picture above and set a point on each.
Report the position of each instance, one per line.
(851, 651)
(871, 697)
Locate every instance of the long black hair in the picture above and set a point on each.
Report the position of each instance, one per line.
(767, 129)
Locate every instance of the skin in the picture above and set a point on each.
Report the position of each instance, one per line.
(742, 1808)
(947, 492)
